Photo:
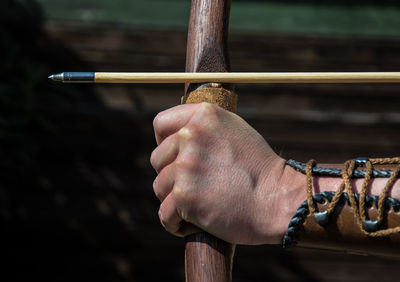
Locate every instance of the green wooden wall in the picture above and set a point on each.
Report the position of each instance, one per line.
(341, 18)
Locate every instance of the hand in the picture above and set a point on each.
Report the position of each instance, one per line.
(217, 173)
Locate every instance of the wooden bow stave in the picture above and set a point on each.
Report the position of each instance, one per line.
(208, 258)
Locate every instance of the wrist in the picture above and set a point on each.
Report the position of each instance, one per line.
(283, 190)
(293, 193)
(288, 193)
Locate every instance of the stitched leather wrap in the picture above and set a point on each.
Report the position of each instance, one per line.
(342, 233)
(224, 98)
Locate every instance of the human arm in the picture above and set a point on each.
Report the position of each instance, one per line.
(219, 174)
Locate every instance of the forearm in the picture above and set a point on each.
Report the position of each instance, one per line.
(294, 185)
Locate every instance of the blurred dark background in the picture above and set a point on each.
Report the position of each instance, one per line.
(76, 200)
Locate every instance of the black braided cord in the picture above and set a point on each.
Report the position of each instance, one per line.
(297, 221)
(321, 171)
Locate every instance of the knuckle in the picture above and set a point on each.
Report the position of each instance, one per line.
(208, 117)
(202, 125)
(156, 190)
(187, 132)
(161, 217)
(165, 221)
(184, 214)
(194, 132)
(153, 158)
(185, 198)
(156, 120)
(208, 108)
(188, 161)
(179, 193)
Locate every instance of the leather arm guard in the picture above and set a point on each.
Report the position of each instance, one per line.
(346, 221)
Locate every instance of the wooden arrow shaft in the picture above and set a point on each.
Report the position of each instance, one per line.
(247, 77)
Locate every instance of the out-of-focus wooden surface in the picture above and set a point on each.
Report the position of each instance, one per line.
(88, 210)
(328, 122)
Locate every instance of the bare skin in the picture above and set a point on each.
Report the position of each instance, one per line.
(220, 175)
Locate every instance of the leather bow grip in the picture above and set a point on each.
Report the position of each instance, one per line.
(224, 98)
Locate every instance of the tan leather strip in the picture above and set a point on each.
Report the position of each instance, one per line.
(224, 98)
(343, 234)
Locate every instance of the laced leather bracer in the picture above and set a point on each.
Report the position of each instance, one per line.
(344, 220)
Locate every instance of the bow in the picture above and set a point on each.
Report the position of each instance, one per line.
(208, 258)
